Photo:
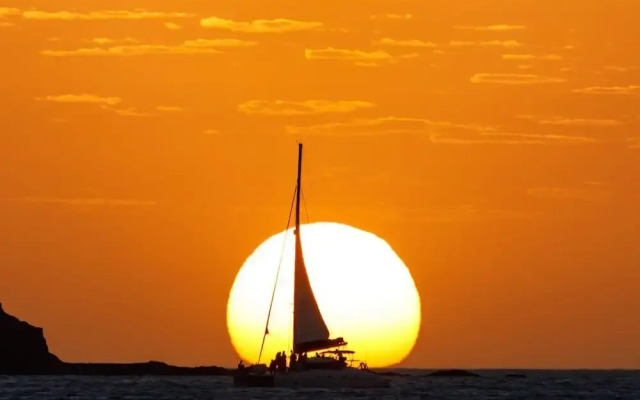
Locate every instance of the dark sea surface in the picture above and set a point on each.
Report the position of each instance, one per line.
(536, 384)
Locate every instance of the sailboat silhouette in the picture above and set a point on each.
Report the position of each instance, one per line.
(330, 367)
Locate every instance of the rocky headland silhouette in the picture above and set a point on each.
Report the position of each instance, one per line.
(24, 351)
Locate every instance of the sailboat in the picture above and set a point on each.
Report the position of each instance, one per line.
(332, 366)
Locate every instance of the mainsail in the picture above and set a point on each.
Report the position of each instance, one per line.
(310, 332)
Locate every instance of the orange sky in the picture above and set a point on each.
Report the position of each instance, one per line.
(493, 143)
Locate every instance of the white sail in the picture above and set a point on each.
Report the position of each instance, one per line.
(308, 325)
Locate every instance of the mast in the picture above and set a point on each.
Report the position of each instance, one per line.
(298, 188)
(310, 332)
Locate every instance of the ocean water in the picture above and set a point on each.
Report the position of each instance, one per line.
(583, 385)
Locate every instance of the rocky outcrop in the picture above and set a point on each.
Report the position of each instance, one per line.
(390, 373)
(23, 348)
(453, 373)
(148, 368)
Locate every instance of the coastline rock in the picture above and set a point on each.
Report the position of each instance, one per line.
(391, 373)
(453, 373)
(24, 351)
(23, 348)
(148, 368)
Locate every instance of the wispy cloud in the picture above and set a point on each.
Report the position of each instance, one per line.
(507, 138)
(102, 15)
(514, 79)
(380, 57)
(383, 126)
(391, 17)
(112, 104)
(81, 98)
(580, 122)
(138, 50)
(6, 13)
(170, 109)
(347, 54)
(404, 43)
(219, 43)
(453, 44)
(196, 46)
(462, 43)
(486, 43)
(493, 28)
(83, 201)
(127, 112)
(615, 68)
(9, 11)
(374, 58)
(105, 40)
(172, 26)
(609, 90)
(279, 25)
(550, 138)
(501, 43)
(591, 193)
(530, 57)
(308, 107)
(369, 126)
(438, 132)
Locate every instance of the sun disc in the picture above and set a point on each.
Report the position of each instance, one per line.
(364, 291)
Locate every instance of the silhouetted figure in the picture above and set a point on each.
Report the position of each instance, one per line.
(292, 360)
(283, 362)
(241, 365)
(275, 363)
(272, 367)
(342, 359)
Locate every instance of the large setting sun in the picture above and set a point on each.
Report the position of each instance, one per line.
(365, 293)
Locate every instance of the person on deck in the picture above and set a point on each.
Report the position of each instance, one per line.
(292, 360)
(272, 367)
(283, 362)
(241, 365)
(277, 361)
(342, 359)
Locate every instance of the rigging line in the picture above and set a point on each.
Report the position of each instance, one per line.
(273, 295)
(304, 201)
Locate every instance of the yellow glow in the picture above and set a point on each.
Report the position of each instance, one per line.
(365, 293)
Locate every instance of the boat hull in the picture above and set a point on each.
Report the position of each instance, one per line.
(329, 379)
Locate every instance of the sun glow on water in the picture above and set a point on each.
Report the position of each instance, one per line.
(365, 293)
